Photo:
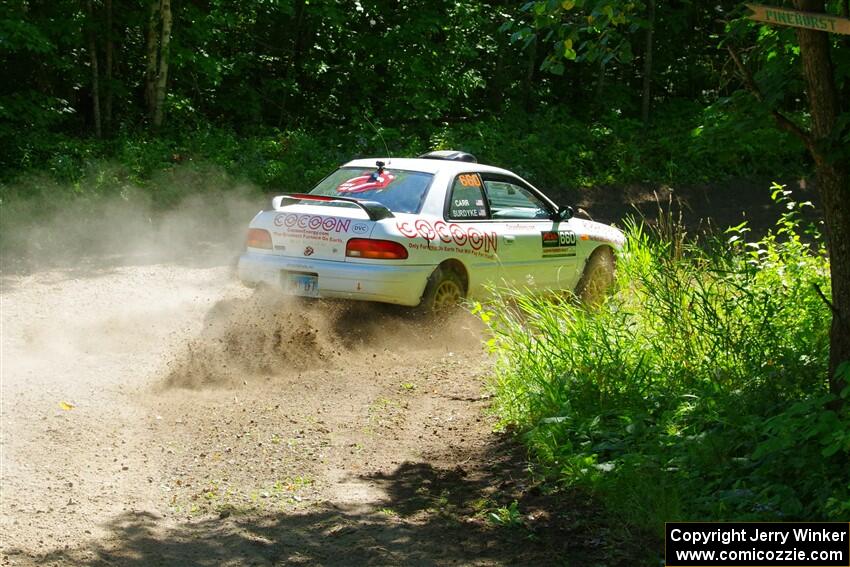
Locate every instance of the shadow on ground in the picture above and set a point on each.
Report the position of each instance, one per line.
(429, 516)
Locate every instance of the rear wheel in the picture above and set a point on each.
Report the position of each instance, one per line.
(445, 291)
(598, 277)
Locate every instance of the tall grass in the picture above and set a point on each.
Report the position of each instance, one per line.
(695, 391)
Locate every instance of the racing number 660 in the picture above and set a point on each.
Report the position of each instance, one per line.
(566, 238)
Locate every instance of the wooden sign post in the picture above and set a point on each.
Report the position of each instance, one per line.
(808, 20)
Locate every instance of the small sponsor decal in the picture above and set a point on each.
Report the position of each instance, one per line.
(308, 251)
(360, 228)
(373, 182)
(557, 243)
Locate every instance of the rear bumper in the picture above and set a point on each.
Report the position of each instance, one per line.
(399, 284)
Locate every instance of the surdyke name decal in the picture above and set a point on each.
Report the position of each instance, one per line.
(449, 233)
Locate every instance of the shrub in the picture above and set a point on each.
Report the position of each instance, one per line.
(696, 391)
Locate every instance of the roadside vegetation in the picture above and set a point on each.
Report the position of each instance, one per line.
(697, 390)
(555, 148)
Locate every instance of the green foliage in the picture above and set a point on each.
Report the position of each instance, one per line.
(559, 151)
(582, 30)
(281, 161)
(252, 66)
(553, 149)
(506, 517)
(697, 390)
(277, 93)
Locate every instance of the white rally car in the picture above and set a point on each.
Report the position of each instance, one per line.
(428, 232)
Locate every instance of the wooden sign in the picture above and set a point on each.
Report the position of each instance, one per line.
(808, 20)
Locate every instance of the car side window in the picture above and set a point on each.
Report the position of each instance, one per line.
(509, 200)
(466, 201)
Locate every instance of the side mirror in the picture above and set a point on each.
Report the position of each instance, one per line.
(563, 214)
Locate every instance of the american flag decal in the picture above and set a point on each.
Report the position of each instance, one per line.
(372, 182)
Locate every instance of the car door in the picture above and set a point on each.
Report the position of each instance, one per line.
(538, 253)
(467, 231)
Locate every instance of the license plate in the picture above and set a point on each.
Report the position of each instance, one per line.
(306, 285)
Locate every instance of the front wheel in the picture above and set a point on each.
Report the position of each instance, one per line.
(445, 290)
(598, 277)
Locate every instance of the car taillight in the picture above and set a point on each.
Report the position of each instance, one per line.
(259, 238)
(376, 249)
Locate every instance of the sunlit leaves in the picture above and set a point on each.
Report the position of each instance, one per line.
(582, 31)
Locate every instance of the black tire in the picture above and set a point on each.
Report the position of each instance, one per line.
(445, 291)
(598, 277)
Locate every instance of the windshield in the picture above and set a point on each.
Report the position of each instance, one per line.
(398, 190)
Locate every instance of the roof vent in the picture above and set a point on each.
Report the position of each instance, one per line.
(450, 155)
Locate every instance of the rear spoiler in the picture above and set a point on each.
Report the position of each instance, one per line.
(375, 210)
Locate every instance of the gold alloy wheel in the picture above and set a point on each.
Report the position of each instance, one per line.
(598, 282)
(598, 277)
(448, 294)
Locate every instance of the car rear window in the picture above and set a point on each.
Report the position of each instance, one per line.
(398, 190)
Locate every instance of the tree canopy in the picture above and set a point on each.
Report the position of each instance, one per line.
(257, 64)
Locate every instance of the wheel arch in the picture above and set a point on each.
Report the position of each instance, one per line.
(598, 249)
(456, 266)
(593, 261)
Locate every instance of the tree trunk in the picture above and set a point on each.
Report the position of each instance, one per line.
(95, 86)
(529, 75)
(496, 85)
(294, 100)
(833, 176)
(647, 64)
(152, 48)
(833, 182)
(845, 44)
(600, 82)
(162, 76)
(107, 110)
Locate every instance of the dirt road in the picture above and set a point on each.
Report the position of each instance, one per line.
(164, 415)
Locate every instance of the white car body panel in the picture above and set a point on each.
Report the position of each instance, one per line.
(311, 239)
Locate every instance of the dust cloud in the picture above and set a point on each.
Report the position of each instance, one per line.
(269, 334)
(129, 279)
(189, 215)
